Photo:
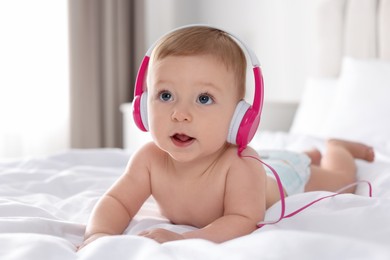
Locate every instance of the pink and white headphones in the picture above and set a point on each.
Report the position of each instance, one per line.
(246, 117)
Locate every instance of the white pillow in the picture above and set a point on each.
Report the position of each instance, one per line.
(313, 108)
(361, 106)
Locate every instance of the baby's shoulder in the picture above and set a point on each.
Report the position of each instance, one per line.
(149, 147)
(232, 152)
(149, 153)
(244, 168)
(247, 157)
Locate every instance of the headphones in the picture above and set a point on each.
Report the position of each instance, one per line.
(246, 117)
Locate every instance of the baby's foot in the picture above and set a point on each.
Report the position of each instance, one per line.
(315, 156)
(358, 150)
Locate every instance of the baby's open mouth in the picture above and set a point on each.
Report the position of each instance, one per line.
(182, 139)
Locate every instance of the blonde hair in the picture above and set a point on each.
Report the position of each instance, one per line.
(200, 40)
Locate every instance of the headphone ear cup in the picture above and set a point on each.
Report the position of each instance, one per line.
(140, 111)
(241, 109)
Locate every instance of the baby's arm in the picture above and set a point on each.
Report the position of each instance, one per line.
(245, 203)
(122, 201)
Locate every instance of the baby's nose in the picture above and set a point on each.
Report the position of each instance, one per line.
(181, 114)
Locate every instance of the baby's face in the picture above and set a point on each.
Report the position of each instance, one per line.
(191, 100)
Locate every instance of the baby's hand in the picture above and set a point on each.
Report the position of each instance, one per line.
(161, 235)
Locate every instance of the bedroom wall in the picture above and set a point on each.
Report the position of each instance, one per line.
(278, 31)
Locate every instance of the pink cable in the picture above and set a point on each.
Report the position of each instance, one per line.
(282, 199)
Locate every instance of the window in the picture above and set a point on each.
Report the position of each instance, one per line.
(33, 77)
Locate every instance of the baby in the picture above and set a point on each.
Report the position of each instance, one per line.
(195, 79)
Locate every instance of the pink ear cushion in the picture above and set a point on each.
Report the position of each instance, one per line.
(248, 127)
(241, 109)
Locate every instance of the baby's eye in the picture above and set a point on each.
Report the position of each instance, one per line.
(165, 96)
(205, 99)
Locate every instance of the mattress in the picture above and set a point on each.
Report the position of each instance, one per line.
(45, 204)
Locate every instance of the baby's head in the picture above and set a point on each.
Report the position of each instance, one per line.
(201, 40)
(198, 73)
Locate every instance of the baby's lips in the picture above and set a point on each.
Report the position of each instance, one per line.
(182, 137)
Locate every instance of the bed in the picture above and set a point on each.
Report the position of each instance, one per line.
(45, 202)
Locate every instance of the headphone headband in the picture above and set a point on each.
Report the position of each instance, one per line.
(254, 61)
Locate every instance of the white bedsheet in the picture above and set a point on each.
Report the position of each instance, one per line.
(45, 204)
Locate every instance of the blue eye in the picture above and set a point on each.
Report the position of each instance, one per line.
(165, 96)
(205, 99)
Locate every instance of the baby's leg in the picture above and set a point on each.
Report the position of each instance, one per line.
(358, 150)
(337, 166)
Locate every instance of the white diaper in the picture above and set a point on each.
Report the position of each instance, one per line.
(293, 168)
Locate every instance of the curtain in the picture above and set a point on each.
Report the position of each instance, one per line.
(102, 68)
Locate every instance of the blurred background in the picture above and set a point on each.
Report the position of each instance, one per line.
(68, 66)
